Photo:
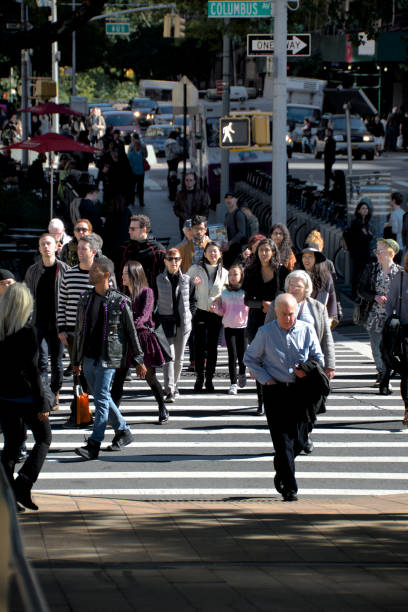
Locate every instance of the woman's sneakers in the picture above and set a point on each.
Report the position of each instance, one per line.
(233, 390)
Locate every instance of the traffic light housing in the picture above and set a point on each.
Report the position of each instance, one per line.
(179, 26)
(234, 132)
(261, 133)
(167, 25)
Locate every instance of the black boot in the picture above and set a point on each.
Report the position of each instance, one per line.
(120, 439)
(198, 387)
(90, 451)
(163, 415)
(385, 387)
(22, 492)
(209, 387)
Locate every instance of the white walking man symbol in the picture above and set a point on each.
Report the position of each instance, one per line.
(227, 132)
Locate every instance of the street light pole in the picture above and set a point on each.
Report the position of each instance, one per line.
(54, 66)
(73, 56)
(279, 113)
(225, 186)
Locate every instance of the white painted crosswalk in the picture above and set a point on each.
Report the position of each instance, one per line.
(215, 446)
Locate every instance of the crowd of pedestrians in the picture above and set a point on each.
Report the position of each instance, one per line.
(116, 298)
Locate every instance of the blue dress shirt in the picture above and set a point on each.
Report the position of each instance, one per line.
(274, 352)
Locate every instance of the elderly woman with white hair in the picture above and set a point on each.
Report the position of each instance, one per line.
(299, 284)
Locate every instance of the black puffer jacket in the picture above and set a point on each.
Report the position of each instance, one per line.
(120, 333)
(20, 375)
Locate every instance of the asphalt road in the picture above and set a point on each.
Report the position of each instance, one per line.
(305, 166)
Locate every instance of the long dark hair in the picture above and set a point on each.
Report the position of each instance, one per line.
(274, 262)
(357, 213)
(137, 279)
(320, 274)
(285, 249)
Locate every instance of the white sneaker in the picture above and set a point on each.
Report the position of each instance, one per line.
(242, 381)
(233, 390)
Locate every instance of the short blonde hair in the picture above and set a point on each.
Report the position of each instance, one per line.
(16, 306)
(302, 276)
(316, 237)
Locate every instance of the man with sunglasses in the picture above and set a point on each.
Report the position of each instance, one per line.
(143, 248)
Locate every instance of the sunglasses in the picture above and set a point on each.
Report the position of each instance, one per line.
(81, 229)
(173, 258)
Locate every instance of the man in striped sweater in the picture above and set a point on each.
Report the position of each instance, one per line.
(74, 283)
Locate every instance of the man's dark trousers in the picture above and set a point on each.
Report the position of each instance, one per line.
(55, 352)
(284, 409)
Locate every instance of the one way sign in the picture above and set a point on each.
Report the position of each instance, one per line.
(298, 45)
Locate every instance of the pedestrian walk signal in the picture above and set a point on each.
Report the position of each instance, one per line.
(235, 132)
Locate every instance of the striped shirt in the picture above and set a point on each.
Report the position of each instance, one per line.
(73, 284)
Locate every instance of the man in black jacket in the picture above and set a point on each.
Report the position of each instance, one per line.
(104, 335)
(147, 251)
(190, 201)
(44, 281)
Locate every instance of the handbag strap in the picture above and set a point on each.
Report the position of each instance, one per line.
(400, 295)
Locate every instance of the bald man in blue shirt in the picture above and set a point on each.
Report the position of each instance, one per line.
(274, 357)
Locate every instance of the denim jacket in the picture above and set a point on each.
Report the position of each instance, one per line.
(119, 330)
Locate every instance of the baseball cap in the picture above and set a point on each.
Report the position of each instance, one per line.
(6, 274)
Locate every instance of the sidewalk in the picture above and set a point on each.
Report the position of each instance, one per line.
(334, 555)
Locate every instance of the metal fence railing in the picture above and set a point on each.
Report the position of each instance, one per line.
(13, 562)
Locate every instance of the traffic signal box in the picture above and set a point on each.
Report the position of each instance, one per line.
(173, 26)
(245, 131)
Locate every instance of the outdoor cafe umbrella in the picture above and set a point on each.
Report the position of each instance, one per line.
(50, 108)
(47, 143)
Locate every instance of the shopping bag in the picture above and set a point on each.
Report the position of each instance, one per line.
(83, 414)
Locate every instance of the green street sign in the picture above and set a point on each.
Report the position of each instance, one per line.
(116, 29)
(244, 10)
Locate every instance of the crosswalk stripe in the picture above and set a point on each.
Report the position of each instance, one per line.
(217, 475)
(327, 459)
(239, 444)
(254, 418)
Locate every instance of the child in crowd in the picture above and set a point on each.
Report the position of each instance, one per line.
(230, 305)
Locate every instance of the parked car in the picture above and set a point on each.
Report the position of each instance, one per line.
(164, 113)
(125, 121)
(144, 109)
(157, 135)
(362, 142)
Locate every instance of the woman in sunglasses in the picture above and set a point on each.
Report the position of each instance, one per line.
(176, 304)
(69, 252)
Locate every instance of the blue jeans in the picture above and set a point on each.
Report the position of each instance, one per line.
(99, 380)
(375, 341)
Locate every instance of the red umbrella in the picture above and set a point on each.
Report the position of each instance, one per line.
(46, 143)
(50, 108)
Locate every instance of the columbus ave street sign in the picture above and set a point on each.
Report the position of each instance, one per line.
(263, 44)
(240, 9)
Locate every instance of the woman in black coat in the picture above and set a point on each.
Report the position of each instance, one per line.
(23, 399)
(264, 280)
(359, 243)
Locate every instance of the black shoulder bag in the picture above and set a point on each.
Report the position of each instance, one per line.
(392, 337)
